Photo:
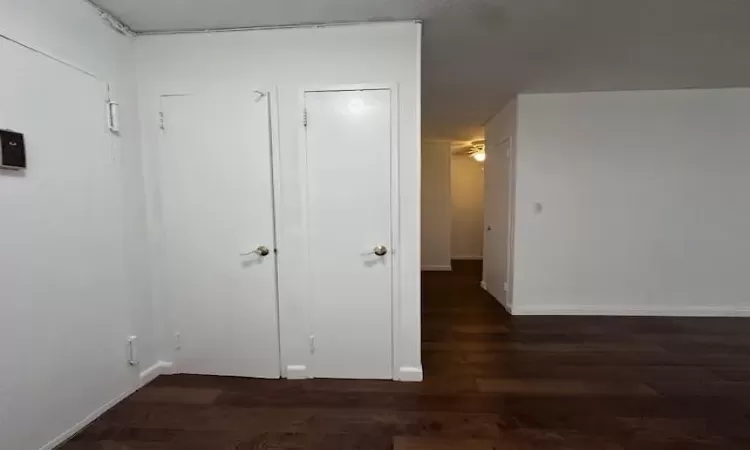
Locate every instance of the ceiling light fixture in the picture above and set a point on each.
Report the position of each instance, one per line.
(477, 152)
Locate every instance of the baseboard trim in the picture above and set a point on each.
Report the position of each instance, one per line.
(146, 377)
(436, 268)
(642, 311)
(160, 368)
(410, 374)
(85, 422)
(467, 258)
(297, 372)
(503, 302)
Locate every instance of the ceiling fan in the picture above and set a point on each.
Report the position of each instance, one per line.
(473, 149)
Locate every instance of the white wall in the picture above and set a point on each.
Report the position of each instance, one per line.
(436, 206)
(467, 205)
(290, 60)
(645, 206)
(500, 142)
(72, 231)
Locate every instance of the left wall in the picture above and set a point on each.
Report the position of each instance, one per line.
(436, 206)
(72, 228)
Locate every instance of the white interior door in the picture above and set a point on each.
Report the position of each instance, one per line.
(497, 195)
(217, 204)
(348, 140)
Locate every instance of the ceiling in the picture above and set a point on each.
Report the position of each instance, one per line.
(479, 53)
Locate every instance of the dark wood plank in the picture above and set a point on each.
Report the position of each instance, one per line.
(154, 394)
(561, 387)
(419, 443)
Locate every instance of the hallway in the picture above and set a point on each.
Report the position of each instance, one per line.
(492, 382)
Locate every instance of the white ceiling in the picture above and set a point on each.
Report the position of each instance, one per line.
(479, 53)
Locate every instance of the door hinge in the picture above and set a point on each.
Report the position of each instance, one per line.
(304, 118)
(161, 120)
(312, 343)
(506, 286)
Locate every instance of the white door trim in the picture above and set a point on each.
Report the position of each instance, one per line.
(511, 223)
(395, 208)
(273, 124)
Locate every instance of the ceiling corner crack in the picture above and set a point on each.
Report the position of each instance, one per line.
(111, 20)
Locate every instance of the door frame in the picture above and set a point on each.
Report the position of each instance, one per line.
(395, 251)
(510, 244)
(154, 197)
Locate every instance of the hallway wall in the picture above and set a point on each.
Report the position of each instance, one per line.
(436, 206)
(633, 203)
(467, 206)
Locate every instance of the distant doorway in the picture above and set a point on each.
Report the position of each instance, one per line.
(467, 206)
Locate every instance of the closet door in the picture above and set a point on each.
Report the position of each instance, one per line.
(348, 154)
(217, 210)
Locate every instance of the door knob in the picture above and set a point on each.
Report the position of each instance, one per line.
(380, 250)
(260, 251)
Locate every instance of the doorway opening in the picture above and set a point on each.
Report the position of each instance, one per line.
(467, 206)
(467, 191)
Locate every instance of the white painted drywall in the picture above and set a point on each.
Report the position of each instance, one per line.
(72, 230)
(436, 205)
(644, 203)
(500, 141)
(467, 206)
(290, 60)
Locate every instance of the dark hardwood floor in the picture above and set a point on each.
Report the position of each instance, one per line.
(491, 382)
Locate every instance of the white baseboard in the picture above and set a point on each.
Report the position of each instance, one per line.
(160, 368)
(467, 258)
(504, 303)
(82, 424)
(298, 372)
(645, 311)
(410, 374)
(146, 377)
(436, 268)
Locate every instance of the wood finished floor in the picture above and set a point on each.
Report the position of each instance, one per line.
(492, 382)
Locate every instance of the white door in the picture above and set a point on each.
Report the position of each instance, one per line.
(348, 151)
(217, 206)
(497, 195)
